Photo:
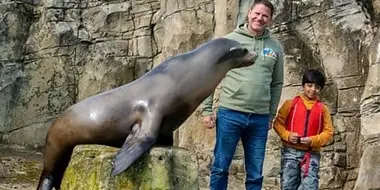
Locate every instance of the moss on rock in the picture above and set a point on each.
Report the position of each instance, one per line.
(161, 168)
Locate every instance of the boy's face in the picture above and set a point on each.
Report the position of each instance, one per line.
(311, 90)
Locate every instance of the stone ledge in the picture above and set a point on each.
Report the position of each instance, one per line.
(161, 168)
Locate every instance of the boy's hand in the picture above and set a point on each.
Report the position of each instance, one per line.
(294, 138)
(306, 141)
(209, 121)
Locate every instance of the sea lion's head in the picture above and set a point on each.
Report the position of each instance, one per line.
(234, 55)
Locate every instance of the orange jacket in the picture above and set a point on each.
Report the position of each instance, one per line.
(317, 141)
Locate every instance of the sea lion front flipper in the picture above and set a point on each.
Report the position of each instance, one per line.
(137, 143)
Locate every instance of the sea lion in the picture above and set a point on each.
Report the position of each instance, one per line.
(134, 115)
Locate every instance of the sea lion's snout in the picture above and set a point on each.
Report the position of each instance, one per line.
(247, 59)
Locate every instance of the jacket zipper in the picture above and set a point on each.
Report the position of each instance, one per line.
(306, 123)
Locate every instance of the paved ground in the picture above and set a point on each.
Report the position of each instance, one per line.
(19, 168)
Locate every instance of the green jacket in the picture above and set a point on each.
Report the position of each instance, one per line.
(257, 88)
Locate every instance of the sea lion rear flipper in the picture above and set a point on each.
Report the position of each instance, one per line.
(141, 139)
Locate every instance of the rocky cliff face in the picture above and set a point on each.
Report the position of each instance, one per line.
(54, 53)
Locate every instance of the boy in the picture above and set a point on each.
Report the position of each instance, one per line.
(304, 126)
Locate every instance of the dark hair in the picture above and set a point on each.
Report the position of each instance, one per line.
(267, 3)
(314, 76)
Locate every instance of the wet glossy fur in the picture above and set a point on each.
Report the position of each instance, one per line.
(142, 113)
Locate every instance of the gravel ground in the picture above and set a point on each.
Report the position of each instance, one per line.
(19, 168)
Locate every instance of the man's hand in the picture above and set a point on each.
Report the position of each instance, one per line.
(306, 141)
(294, 138)
(209, 121)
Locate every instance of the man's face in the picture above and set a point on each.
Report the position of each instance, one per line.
(259, 17)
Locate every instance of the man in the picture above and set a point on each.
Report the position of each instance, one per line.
(248, 100)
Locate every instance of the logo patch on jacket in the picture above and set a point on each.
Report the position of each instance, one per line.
(268, 52)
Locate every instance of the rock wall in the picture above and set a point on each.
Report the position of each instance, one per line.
(369, 171)
(54, 53)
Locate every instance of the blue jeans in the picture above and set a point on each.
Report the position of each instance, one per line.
(292, 174)
(230, 127)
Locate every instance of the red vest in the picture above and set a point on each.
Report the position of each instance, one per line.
(303, 121)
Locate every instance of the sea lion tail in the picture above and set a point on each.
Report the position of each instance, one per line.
(56, 159)
(54, 170)
(45, 183)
